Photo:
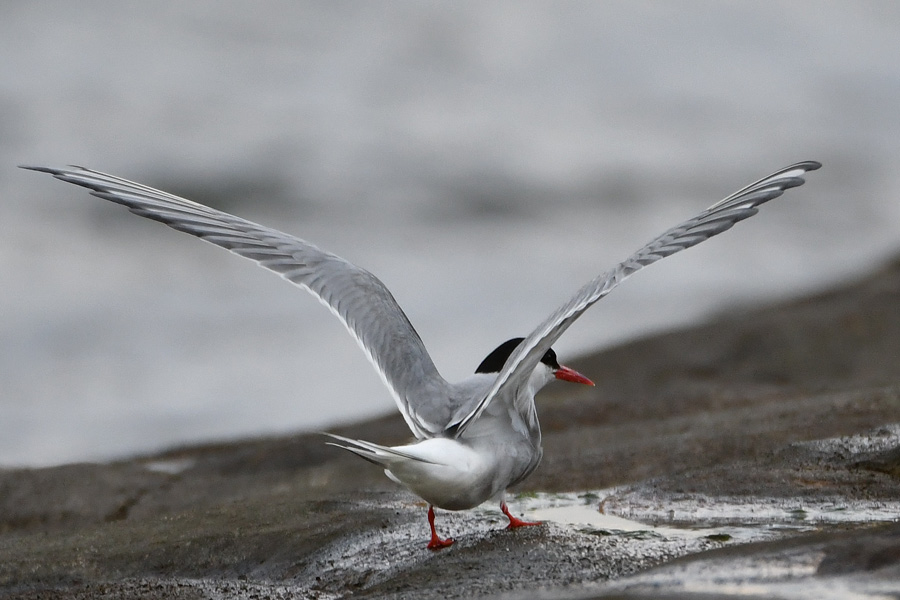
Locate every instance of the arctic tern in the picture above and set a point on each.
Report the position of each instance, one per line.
(475, 438)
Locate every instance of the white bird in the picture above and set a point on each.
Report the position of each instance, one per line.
(476, 438)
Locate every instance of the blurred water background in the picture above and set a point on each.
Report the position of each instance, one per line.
(483, 158)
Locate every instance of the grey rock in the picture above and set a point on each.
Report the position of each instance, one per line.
(780, 419)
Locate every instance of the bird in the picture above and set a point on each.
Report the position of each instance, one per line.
(476, 438)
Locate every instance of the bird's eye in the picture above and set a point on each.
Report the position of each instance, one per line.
(550, 359)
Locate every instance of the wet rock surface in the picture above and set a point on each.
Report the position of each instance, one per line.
(757, 455)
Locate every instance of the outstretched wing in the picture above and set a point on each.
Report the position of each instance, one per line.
(354, 295)
(713, 221)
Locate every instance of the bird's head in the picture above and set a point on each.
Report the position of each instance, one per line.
(548, 369)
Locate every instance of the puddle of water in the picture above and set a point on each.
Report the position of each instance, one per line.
(787, 514)
(782, 575)
(718, 520)
(587, 519)
(586, 515)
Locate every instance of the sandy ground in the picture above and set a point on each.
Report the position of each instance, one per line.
(757, 455)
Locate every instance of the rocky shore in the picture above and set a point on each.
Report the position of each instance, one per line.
(756, 455)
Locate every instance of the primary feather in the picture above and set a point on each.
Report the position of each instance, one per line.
(358, 298)
(719, 217)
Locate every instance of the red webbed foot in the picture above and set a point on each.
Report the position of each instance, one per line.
(515, 522)
(436, 543)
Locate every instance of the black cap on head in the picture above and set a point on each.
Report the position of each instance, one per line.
(496, 359)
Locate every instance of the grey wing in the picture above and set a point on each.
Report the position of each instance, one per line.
(713, 221)
(355, 296)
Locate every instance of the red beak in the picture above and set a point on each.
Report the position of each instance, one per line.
(567, 374)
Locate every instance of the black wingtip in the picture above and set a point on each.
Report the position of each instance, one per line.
(452, 431)
(39, 169)
(810, 165)
(56, 172)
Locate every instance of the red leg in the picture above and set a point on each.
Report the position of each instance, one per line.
(513, 521)
(436, 543)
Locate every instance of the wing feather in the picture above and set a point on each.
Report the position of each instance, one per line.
(719, 217)
(358, 298)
